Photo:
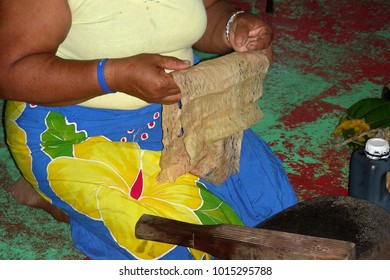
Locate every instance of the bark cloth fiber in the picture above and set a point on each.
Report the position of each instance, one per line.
(203, 134)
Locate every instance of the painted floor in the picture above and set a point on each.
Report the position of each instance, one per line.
(328, 55)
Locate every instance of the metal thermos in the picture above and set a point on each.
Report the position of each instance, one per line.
(370, 172)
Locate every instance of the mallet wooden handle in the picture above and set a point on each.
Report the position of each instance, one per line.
(243, 243)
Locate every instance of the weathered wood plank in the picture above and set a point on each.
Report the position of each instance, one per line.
(243, 243)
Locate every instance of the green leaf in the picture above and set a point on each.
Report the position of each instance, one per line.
(216, 211)
(381, 123)
(364, 106)
(60, 135)
(380, 114)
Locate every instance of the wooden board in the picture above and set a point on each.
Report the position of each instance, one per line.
(243, 243)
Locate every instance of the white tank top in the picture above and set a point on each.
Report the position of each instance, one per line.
(122, 28)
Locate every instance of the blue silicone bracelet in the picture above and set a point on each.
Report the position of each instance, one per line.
(100, 75)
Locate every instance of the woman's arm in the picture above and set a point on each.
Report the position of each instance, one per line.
(213, 40)
(30, 33)
(247, 31)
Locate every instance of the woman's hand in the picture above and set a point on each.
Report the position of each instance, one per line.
(145, 76)
(250, 33)
(247, 31)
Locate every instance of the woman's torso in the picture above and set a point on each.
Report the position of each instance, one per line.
(122, 28)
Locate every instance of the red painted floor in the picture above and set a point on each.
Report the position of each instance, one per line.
(328, 55)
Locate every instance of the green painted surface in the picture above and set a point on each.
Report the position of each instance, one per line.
(326, 59)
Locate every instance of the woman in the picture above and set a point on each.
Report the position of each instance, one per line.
(85, 80)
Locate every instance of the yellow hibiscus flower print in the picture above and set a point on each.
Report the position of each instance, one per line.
(115, 182)
(17, 142)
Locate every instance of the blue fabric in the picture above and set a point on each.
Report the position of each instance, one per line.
(258, 191)
(261, 188)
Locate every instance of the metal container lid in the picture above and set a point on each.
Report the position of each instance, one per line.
(377, 148)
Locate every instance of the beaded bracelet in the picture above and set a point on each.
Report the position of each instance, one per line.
(100, 76)
(229, 23)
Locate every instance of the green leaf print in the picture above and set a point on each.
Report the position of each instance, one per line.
(214, 210)
(60, 135)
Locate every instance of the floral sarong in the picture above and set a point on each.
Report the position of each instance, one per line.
(100, 167)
